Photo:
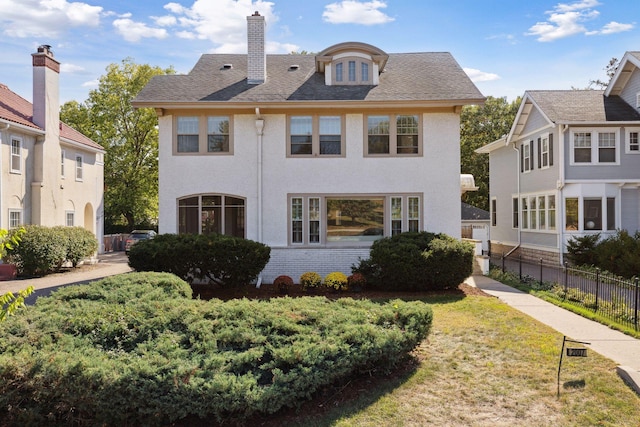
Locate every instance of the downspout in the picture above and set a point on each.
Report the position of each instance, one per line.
(259, 132)
(5, 127)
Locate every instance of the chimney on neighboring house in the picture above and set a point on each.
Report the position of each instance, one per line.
(257, 57)
(46, 92)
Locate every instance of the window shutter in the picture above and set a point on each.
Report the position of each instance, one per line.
(522, 158)
(550, 149)
(539, 153)
(531, 159)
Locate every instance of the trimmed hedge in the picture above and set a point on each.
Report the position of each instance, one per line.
(45, 249)
(136, 350)
(417, 261)
(226, 260)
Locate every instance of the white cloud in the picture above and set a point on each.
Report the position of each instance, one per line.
(356, 12)
(165, 21)
(480, 76)
(45, 18)
(91, 84)
(567, 19)
(134, 31)
(70, 68)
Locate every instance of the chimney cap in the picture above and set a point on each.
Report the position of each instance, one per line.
(44, 48)
(256, 13)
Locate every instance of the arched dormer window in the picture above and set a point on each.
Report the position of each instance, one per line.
(351, 63)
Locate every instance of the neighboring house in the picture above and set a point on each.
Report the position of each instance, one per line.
(570, 166)
(475, 225)
(315, 156)
(50, 174)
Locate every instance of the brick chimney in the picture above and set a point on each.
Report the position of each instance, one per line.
(257, 57)
(46, 92)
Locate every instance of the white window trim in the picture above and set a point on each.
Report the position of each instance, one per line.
(323, 217)
(594, 146)
(493, 214)
(80, 168)
(19, 155)
(527, 146)
(627, 144)
(604, 216)
(67, 215)
(531, 212)
(544, 137)
(20, 221)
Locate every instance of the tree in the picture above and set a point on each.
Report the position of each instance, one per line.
(480, 125)
(610, 69)
(129, 137)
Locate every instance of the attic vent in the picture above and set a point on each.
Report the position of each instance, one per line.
(293, 67)
(227, 66)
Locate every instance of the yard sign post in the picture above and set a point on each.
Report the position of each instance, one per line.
(571, 352)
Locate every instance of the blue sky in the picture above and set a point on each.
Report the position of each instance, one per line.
(506, 46)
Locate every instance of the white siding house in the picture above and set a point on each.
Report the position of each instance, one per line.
(315, 156)
(570, 166)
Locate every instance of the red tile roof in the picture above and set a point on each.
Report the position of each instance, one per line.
(16, 109)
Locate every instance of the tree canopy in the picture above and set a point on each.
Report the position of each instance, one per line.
(129, 137)
(480, 125)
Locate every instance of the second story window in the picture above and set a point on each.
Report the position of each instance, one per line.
(606, 147)
(79, 162)
(356, 71)
(315, 136)
(16, 155)
(526, 156)
(596, 146)
(213, 131)
(393, 135)
(633, 141)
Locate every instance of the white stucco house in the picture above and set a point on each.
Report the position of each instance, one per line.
(316, 156)
(570, 166)
(50, 174)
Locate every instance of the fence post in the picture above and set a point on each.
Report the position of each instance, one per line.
(503, 261)
(566, 277)
(520, 266)
(635, 314)
(540, 272)
(597, 286)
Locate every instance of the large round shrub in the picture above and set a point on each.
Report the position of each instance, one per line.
(417, 261)
(226, 260)
(41, 250)
(80, 243)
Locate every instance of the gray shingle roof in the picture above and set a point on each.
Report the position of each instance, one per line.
(470, 213)
(582, 106)
(433, 76)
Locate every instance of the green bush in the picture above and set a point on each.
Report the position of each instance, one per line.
(310, 280)
(41, 250)
(581, 250)
(336, 280)
(417, 261)
(137, 350)
(618, 254)
(81, 243)
(226, 260)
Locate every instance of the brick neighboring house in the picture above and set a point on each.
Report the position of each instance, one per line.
(570, 166)
(315, 156)
(50, 173)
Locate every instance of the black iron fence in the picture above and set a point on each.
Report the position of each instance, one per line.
(610, 296)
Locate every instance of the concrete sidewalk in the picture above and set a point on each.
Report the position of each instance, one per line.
(109, 264)
(621, 348)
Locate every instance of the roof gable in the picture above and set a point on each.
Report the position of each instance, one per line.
(629, 63)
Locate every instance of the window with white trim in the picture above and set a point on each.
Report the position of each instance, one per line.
(526, 155)
(16, 154)
(70, 218)
(595, 146)
(544, 152)
(79, 167)
(551, 212)
(212, 213)
(590, 213)
(515, 214)
(15, 218)
(494, 214)
(525, 213)
(538, 212)
(62, 153)
(315, 136)
(393, 135)
(359, 220)
(203, 135)
(632, 140)
(533, 212)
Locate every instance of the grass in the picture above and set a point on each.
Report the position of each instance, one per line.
(484, 364)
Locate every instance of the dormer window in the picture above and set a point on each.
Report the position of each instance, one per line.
(351, 64)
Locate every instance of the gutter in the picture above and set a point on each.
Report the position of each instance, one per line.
(517, 150)
(259, 134)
